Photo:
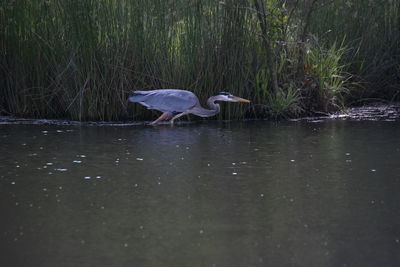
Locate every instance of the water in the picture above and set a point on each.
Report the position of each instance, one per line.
(201, 194)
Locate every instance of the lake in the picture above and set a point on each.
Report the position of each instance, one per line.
(252, 193)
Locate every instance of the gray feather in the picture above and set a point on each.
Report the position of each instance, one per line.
(165, 100)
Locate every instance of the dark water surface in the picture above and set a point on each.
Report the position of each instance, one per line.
(201, 194)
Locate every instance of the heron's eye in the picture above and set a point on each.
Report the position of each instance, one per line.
(223, 93)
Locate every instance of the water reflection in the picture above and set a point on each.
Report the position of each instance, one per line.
(215, 194)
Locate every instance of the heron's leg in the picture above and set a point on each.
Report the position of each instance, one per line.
(163, 116)
(177, 116)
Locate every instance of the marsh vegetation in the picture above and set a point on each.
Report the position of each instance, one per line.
(79, 59)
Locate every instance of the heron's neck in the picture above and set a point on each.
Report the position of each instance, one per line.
(213, 107)
(203, 112)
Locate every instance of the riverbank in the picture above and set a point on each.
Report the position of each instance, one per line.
(372, 112)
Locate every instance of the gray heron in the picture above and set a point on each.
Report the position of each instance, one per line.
(180, 102)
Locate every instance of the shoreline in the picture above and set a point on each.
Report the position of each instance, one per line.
(373, 112)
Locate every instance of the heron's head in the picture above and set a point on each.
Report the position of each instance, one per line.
(227, 97)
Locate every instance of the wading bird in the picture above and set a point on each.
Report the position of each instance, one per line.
(180, 102)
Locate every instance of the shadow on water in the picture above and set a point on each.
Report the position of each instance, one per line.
(201, 194)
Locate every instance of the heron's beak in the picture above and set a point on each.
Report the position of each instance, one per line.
(238, 99)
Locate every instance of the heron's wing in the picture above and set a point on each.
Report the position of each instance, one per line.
(165, 100)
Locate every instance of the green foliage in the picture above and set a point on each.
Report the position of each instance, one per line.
(285, 103)
(371, 29)
(321, 89)
(325, 81)
(277, 18)
(78, 59)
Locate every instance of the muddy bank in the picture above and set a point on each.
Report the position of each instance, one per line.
(378, 112)
(13, 120)
(374, 112)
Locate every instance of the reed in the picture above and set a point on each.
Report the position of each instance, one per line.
(79, 59)
(371, 31)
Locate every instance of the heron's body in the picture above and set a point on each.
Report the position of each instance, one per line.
(180, 102)
(166, 100)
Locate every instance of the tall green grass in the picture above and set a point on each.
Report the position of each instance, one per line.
(372, 33)
(79, 59)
